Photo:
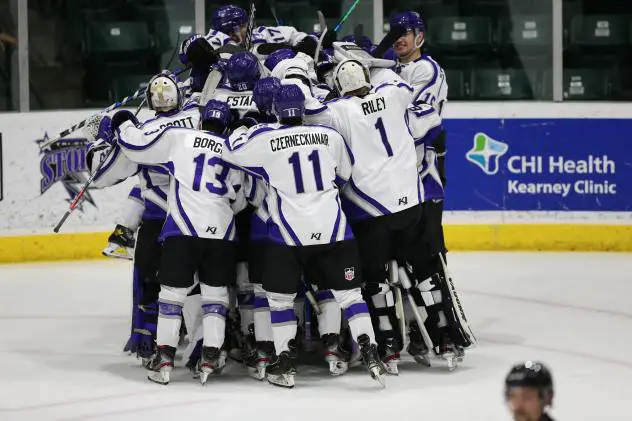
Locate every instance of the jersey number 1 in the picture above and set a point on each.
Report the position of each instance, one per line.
(295, 161)
(380, 127)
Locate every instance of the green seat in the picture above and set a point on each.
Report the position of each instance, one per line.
(526, 31)
(173, 33)
(501, 84)
(454, 32)
(600, 30)
(457, 88)
(586, 84)
(127, 85)
(117, 37)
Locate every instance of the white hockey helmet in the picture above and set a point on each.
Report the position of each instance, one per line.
(351, 75)
(163, 94)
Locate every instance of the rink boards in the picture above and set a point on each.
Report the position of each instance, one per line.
(521, 176)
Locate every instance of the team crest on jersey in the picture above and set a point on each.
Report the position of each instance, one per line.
(350, 274)
(65, 162)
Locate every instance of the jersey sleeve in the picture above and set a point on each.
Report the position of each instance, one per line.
(425, 125)
(423, 76)
(344, 160)
(240, 150)
(116, 166)
(140, 147)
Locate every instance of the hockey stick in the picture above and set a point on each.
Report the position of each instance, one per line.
(323, 28)
(271, 4)
(346, 16)
(119, 104)
(251, 26)
(399, 302)
(456, 302)
(210, 85)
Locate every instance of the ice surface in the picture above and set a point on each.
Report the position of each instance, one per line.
(63, 326)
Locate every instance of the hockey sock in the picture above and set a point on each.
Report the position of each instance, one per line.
(170, 302)
(214, 310)
(330, 318)
(261, 316)
(356, 312)
(283, 319)
(133, 211)
(192, 314)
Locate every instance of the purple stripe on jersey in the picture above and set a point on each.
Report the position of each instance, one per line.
(157, 168)
(259, 172)
(182, 213)
(253, 191)
(353, 211)
(435, 74)
(258, 228)
(215, 308)
(348, 232)
(351, 157)
(261, 302)
(274, 233)
(430, 136)
(324, 295)
(424, 112)
(145, 174)
(340, 182)
(107, 166)
(169, 309)
(432, 189)
(315, 110)
(148, 145)
(399, 85)
(282, 316)
(170, 167)
(334, 234)
(153, 211)
(170, 229)
(369, 199)
(229, 230)
(419, 190)
(331, 101)
(356, 309)
(135, 193)
(287, 226)
(160, 192)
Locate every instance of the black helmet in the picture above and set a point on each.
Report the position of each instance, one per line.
(530, 374)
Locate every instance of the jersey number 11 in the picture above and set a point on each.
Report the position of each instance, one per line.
(295, 161)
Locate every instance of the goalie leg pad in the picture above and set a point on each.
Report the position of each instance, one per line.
(384, 317)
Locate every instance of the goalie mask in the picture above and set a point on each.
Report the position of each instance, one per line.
(351, 76)
(163, 94)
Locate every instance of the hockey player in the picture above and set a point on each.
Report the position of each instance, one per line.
(414, 65)
(383, 197)
(165, 99)
(529, 391)
(198, 233)
(307, 229)
(242, 72)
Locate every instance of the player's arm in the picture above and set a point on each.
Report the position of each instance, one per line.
(241, 150)
(145, 147)
(423, 77)
(344, 159)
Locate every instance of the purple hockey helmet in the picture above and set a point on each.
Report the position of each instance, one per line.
(409, 20)
(278, 56)
(263, 93)
(289, 101)
(229, 19)
(218, 111)
(243, 71)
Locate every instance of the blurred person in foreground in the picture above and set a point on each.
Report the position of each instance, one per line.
(529, 391)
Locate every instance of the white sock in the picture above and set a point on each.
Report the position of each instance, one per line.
(192, 314)
(356, 312)
(330, 318)
(215, 310)
(170, 303)
(283, 319)
(261, 316)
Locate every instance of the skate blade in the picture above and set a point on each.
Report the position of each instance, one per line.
(118, 253)
(422, 360)
(338, 367)
(378, 375)
(161, 377)
(281, 380)
(257, 373)
(451, 360)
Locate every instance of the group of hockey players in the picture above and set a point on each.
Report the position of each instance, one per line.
(287, 163)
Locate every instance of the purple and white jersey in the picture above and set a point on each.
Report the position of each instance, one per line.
(217, 39)
(384, 178)
(427, 79)
(256, 191)
(425, 125)
(277, 35)
(202, 185)
(300, 165)
(240, 102)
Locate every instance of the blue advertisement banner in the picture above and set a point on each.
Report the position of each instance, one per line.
(539, 164)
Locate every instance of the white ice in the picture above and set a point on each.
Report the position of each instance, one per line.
(63, 326)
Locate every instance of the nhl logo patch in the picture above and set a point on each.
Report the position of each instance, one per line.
(350, 273)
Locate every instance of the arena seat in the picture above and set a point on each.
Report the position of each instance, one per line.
(461, 32)
(117, 37)
(500, 84)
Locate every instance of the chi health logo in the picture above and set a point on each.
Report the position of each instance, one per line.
(486, 153)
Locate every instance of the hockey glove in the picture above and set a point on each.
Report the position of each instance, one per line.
(245, 122)
(307, 46)
(200, 53)
(121, 117)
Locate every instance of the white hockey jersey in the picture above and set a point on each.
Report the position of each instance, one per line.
(154, 180)
(277, 35)
(202, 185)
(428, 80)
(384, 178)
(217, 39)
(240, 102)
(300, 166)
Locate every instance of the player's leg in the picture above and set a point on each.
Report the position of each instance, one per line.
(339, 266)
(329, 327)
(180, 259)
(217, 273)
(121, 241)
(281, 277)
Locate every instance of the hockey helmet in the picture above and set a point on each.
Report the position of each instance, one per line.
(243, 71)
(263, 93)
(409, 21)
(278, 56)
(215, 110)
(289, 102)
(163, 93)
(530, 374)
(229, 19)
(350, 76)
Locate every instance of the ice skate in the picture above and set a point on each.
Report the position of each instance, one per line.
(120, 243)
(258, 358)
(213, 361)
(417, 348)
(335, 356)
(372, 360)
(161, 365)
(391, 357)
(281, 371)
(449, 352)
